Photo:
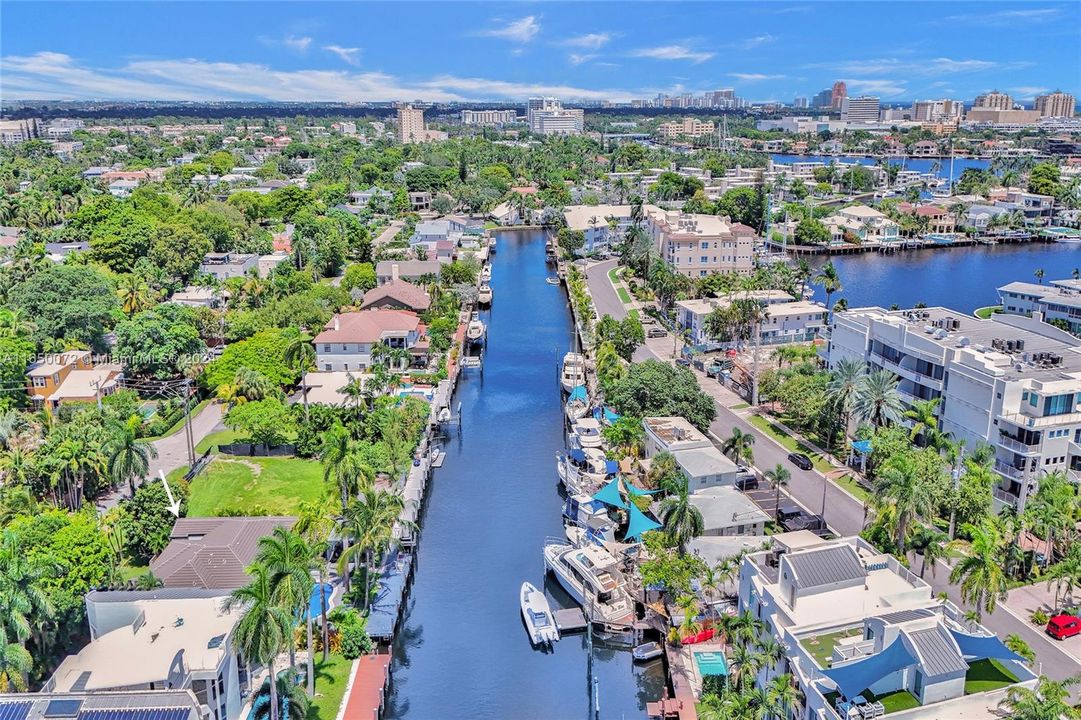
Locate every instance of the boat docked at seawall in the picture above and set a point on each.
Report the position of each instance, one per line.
(583, 470)
(587, 432)
(577, 405)
(475, 331)
(573, 372)
(552, 280)
(539, 621)
(647, 651)
(485, 294)
(591, 576)
(486, 273)
(590, 516)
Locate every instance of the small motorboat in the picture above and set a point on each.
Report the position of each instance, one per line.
(491, 244)
(484, 294)
(475, 330)
(538, 617)
(486, 273)
(647, 651)
(444, 415)
(552, 280)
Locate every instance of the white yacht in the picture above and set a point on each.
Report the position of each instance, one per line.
(592, 577)
(582, 470)
(588, 432)
(576, 408)
(573, 373)
(538, 617)
(484, 295)
(491, 244)
(589, 518)
(486, 273)
(475, 331)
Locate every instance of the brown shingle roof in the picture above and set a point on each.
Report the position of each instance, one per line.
(406, 293)
(213, 553)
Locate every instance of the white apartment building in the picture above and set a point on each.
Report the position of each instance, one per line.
(789, 320)
(1012, 382)
(855, 624)
(704, 466)
(547, 116)
(863, 109)
(489, 117)
(937, 110)
(1058, 300)
(696, 245)
(868, 226)
(687, 127)
(13, 132)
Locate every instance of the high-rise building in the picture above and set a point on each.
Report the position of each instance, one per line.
(687, 127)
(838, 94)
(936, 110)
(488, 117)
(1056, 104)
(547, 116)
(823, 99)
(410, 124)
(994, 100)
(800, 102)
(863, 109)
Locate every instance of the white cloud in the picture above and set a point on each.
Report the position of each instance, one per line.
(672, 52)
(590, 41)
(1028, 92)
(55, 76)
(754, 77)
(1008, 17)
(578, 59)
(522, 30)
(926, 68)
(880, 87)
(349, 55)
(300, 44)
(756, 41)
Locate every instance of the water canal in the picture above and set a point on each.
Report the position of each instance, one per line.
(462, 650)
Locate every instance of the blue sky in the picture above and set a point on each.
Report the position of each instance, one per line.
(313, 51)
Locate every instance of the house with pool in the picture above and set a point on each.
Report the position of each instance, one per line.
(865, 637)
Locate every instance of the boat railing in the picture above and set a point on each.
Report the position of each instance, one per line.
(552, 540)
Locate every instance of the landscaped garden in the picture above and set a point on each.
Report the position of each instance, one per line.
(276, 485)
(985, 675)
(331, 678)
(821, 646)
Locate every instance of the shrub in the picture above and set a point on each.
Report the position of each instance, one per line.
(1039, 617)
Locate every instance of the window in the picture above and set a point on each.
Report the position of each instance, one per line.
(1032, 399)
(1058, 404)
(39, 381)
(326, 348)
(704, 259)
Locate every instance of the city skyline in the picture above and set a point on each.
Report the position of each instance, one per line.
(510, 51)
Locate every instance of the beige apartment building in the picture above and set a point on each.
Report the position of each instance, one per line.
(993, 100)
(410, 124)
(1056, 104)
(697, 245)
(687, 127)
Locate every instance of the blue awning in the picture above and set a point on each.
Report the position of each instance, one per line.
(609, 494)
(605, 415)
(640, 523)
(611, 467)
(578, 393)
(638, 491)
(863, 447)
(986, 646)
(578, 455)
(853, 678)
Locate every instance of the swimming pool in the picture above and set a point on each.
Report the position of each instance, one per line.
(711, 663)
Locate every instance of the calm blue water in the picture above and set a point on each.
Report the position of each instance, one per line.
(923, 165)
(463, 651)
(959, 278)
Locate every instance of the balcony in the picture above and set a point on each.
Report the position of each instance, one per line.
(1017, 446)
(1030, 421)
(1004, 496)
(1014, 473)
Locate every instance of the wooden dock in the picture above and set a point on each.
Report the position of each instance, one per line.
(438, 456)
(570, 620)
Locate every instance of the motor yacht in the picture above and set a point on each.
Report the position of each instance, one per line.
(475, 331)
(591, 575)
(587, 430)
(573, 372)
(484, 294)
(582, 470)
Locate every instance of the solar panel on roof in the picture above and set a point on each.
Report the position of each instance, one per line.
(142, 714)
(63, 708)
(14, 710)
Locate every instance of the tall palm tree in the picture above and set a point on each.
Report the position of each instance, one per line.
(291, 560)
(15, 664)
(830, 281)
(682, 520)
(901, 487)
(744, 664)
(778, 477)
(1049, 700)
(300, 358)
(934, 547)
(24, 606)
(1065, 576)
(126, 456)
(342, 463)
(877, 400)
(315, 521)
(1039, 275)
(369, 523)
(782, 695)
(293, 703)
(844, 387)
(925, 423)
(135, 295)
(264, 627)
(980, 572)
(737, 446)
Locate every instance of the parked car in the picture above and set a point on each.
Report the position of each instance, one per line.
(699, 365)
(656, 332)
(747, 482)
(805, 521)
(683, 362)
(787, 512)
(1061, 627)
(647, 320)
(800, 460)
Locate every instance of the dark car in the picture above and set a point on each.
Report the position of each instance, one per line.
(786, 513)
(806, 522)
(747, 482)
(683, 362)
(800, 460)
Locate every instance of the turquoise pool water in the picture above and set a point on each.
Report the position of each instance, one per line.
(711, 663)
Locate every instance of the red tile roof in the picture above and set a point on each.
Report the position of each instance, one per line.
(406, 293)
(367, 326)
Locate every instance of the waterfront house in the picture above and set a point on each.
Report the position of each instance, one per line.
(411, 270)
(213, 553)
(939, 220)
(1012, 382)
(858, 628)
(698, 459)
(228, 264)
(168, 639)
(787, 320)
(396, 295)
(432, 231)
(697, 245)
(924, 148)
(1037, 209)
(861, 225)
(346, 342)
(727, 511)
(70, 377)
(120, 705)
(1059, 301)
(980, 216)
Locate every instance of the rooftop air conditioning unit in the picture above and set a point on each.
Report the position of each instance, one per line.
(1020, 345)
(963, 341)
(928, 329)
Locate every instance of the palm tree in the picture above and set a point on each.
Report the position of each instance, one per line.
(778, 477)
(1050, 700)
(342, 462)
(264, 628)
(1039, 275)
(1065, 576)
(830, 281)
(24, 606)
(135, 295)
(738, 446)
(316, 521)
(980, 572)
(934, 547)
(744, 665)
(292, 702)
(877, 400)
(844, 387)
(300, 358)
(369, 523)
(782, 695)
(901, 487)
(15, 664)
(682, 520)
(126, 456)
(290, 560)
(925, 423)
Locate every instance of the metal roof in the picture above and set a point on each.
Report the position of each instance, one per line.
(825, 566)
(903, 616)
(937, 651)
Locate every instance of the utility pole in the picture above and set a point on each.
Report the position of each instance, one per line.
(956, 485)
(188, 434)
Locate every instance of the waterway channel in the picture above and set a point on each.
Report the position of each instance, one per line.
(462, 650)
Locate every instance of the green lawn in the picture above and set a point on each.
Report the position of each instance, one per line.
(491, 225)
(986, 675)
(277, 485)
(331, 677)
(131, 570)
(740, 406)
(624, 296)
(894, 701)
(821, 646)
(986, 312)
(819, 461)
(222, 437)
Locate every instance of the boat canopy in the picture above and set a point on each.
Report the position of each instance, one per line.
(578, 455)
(605, 415)
(578, 393)
(981, 647)
(609, 494)
(853, 678)
(638, 491)
(640, 523)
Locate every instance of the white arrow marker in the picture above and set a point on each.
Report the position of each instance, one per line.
(174, 505)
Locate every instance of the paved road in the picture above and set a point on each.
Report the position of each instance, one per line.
(844, 513)
(388, 234)
(172, 451)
